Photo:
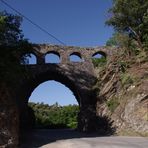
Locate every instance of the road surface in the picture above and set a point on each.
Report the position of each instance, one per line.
(64, 138)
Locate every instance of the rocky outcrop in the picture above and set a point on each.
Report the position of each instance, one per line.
(136, 113)
(123, 97)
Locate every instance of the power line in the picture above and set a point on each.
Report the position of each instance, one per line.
(33, 23)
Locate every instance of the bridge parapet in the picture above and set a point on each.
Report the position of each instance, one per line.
(64, 52)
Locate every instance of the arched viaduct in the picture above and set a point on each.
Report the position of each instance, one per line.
(79, 77)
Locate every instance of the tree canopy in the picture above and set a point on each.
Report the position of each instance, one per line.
(12, 45)
(131, 18)
(54, 116)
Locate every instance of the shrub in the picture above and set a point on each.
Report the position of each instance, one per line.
(126, 79)
(113, 104)
(99, 62)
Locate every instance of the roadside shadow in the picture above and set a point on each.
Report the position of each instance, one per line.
(105, 126)
(39, 137)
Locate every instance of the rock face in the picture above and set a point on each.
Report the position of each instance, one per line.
(124, 97)
(135, 113)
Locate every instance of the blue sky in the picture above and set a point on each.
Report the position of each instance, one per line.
(75, 22)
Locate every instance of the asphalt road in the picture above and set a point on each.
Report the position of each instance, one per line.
(72, 139)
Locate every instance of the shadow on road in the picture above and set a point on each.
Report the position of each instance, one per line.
(40, 137)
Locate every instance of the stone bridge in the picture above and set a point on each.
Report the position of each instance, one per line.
(79, 77)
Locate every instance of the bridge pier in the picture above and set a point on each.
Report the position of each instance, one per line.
(9, 119)
(87, 118)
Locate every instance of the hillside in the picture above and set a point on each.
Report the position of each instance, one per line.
(123, 95)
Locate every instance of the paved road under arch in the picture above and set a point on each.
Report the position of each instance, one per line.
(64, 138)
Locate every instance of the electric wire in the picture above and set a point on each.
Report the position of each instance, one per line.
(33, 23)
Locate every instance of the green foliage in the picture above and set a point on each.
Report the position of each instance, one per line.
(142, 57)
(55, 116)
(99, 62)
(10, 32)
(113, 104)
(126, 79)
(131, 17)
(119, 40)
(123, 41)
(12, 45)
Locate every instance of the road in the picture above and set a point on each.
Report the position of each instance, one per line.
(72, 139)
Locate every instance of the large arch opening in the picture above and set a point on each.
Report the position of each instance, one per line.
(54, 106)
(83, 95)
(26, 117)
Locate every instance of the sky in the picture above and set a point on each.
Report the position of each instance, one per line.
(74, 22)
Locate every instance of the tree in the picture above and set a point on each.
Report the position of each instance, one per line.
(123, 41)
(12, 45)
(131, 17)
(55, 116)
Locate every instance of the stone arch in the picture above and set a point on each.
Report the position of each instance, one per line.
(29, 86)
(77, 57)
(79, 77)
(99, 53)
(33, 83)
(84, 96)
(30, 59)
(99, 59)
(52, 54)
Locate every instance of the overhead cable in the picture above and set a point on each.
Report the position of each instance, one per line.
(33, 23)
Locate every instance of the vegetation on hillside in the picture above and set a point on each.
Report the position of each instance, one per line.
(130, 18)
(54, 116)
(130, 39)
(124, 78)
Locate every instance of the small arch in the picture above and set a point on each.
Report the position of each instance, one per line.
(99, 58)
(29, 59)
(52, 57)
(99, 54)
(75, 57)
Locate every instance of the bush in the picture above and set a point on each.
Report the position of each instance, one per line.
(113, 104)
(99, 62)
(126, 79)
